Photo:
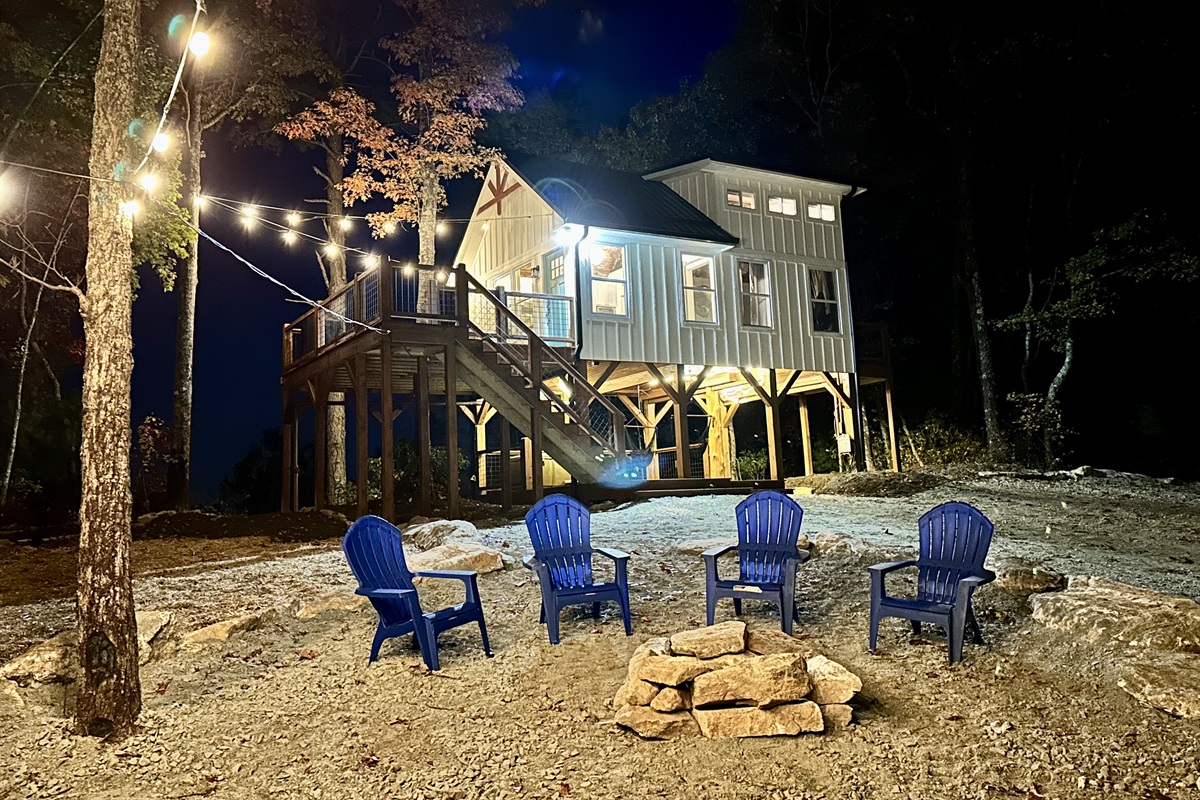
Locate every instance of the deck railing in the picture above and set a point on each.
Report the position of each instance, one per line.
(320, 327)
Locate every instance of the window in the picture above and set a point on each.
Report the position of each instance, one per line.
(822, 293)
(699, 292)
(756, 294)
(608, 279)
(739, 199)
(782, 205)
(821, 211)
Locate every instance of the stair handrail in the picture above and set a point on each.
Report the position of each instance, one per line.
(465, 282)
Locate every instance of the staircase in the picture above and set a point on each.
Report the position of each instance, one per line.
(504, 361)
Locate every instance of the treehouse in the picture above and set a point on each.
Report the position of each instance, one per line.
(584, 307)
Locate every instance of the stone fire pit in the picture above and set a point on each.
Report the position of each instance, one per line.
(724, 681)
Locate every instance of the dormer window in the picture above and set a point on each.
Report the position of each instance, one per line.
(782, 205)
(821, 211)
(739, 199)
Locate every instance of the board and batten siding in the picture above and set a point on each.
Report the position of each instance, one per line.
(656, 331)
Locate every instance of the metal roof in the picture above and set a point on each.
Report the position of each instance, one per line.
(608, 198)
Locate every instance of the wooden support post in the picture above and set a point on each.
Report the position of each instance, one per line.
(320, 445)
(891, 419)
(387, 292)
(425, 481)
(361, 419)
(774, 427)
(505, 464)
(535, 423)
(858, 440)
(287, 496)
(806, 435)
(452, 489)
(387, 424)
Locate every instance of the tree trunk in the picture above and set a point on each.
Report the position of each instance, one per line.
(109, 693)
(179, 465)
(968, 258)
(26, 345)
(427, 239)
(335, 279)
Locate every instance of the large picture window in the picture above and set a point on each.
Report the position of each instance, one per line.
(699, 290)
(609, 279)
(822, 295)
(756, 294)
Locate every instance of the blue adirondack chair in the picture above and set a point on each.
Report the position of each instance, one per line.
(372, 547)
(954, 543)
(560, 529)
(768, 530)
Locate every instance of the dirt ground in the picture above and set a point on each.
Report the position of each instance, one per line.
(1028, 715)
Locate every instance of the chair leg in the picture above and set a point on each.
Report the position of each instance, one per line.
(542, 613)
(624, 603)
(487, 650)
(429, 651)
(787, 608)
(874, 636)
(379, 637)
(973, 624)
(916, 627)
(595, 611)
(710, 601)
(955, 627)
(552, 614)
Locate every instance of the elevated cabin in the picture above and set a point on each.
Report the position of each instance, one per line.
(585, 305)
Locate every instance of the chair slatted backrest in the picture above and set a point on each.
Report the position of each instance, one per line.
(372, 547)
(955, 538)
(560, 529)
(768, 529)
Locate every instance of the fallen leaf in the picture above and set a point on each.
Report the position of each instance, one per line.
(162, 687)
(370, 761)
(308, 654)
(564, 789)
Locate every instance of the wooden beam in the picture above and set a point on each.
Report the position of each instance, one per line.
(791, 381)
(505, 463)
(891, 420)
(683, 442)
(605, 374)
(836, 390)
(452, 489)
(774, 428)
(425, 481)
(755, 385)
(535, 424)
(287, 495)
(806, 435)
(320, 445)
(387, 471)
(662, 381)
(361, 418)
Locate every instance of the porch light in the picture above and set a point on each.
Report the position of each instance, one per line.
(568, 235)
(408, 270)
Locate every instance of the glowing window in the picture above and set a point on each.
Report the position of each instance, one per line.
(782, 205)
(739, 199)
(699, 289)
(756, 294)
(821, 211)
(609, 279)
(823, 299)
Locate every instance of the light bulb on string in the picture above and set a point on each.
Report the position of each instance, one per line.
(249, 215)
(148, 181)
(370, 261)
(199, 43)
(293, 219)
(290, 237)
(408, 270)
(441, 227)
(161, 142)
(130, 208)
(331, 249)
(345, 223)
(389, 227)
(201, 201)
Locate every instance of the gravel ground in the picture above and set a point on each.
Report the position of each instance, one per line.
(1027, 715)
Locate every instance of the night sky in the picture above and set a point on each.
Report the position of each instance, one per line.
(613, 55)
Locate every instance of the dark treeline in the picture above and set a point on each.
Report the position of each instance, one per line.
(1028, 202)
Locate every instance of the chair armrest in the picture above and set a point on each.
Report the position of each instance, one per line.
(393, 593)
(719, 550)
(891, 566)
(468, 577)
(532, 562)
(968, 585)
(614, 554)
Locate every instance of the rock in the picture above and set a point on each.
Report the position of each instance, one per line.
(650, 724)
(428, 535)
(764, 681)
(668, 670)
(832, 543)
(456, 555)
(832, 683)
(340, 602)
(785, 720)
(710, 642)
(837, 716)
(672, 699)
(1170, 684)
(658, 646)
(768, 641)
(221, 631)
(154, 629)
(695, 547)
(635, 693)
(10, 699)
(55, 660)
(1024, 581)
(1098, 611)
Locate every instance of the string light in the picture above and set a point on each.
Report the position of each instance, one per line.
(148, 181)
(441, 227)
(199, 43)
(248, 216)
(290, 237)
(330, 249)
(408, 270)
(389, 227)
(131, 208)
(160, 142)
(201, 201)
(345, 223)
(371, 261)
(293, 219)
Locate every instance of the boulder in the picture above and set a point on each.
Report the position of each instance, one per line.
(650, 724)
(785, 720)
(55, 660)
(1101, 611)
(769, 641)
(763, 681)
(832, 543)
(832, 683)
(635, 693)
(710, 642)
(1170, 684)
(672, 699)
(10, 699)
(339, 602)
(1026, 581)
(427, 535)
(154, 632)
(668, 670)
(837, 716)
(220, 632)
(456, 555)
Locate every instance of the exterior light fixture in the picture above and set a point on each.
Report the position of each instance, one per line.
(568, 235)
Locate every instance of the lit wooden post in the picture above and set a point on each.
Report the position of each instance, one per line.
(387, 422)
(361, 414)
(891, 418)
(425, 481)
(452, 488)
(806, 435)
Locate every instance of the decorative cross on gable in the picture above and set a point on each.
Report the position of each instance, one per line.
(500, 189)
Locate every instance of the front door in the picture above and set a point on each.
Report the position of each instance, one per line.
(554, 281)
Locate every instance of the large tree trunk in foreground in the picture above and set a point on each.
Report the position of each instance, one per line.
(109, 695)
(335, 279)
(179, 466)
